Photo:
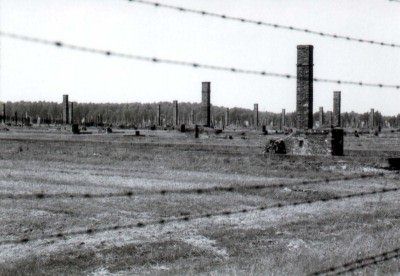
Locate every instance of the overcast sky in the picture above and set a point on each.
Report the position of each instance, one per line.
(35, 72)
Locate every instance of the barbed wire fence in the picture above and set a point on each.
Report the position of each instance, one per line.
(334, 270)
(265, 24)
(210, 190)
(187, 217)
(158, 60)
(360, 263)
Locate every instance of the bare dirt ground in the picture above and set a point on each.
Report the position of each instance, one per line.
(167, 203)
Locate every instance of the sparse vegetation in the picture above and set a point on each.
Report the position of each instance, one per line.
(297, 239)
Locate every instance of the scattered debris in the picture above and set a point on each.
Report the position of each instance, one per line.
(75, 129)
(276, 146)
(394, 163)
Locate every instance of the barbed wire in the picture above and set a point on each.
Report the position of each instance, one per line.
(360, 263)
(197, 65)
(265, 24)
(214, 189)
(185, 217)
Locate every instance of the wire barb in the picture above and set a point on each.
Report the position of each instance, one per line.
(187, 218)
(211, 190)
(360, 263)
(157, 60)
(267, 24)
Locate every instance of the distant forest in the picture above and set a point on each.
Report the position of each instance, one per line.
(144, 114)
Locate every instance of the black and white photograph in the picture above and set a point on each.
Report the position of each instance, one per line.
(199, 137)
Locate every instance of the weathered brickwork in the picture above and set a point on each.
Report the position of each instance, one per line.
(371, 119)
(321, 117)
(304, 101)
(337, 141)
(227, 117)
(323, 143)
(71, 113)
(206, 103)
(283, 119)
(175, 113)
(192, 117)
(255, 115)
(65, 109)
(337, 122)
(309, 144)
(158, 116)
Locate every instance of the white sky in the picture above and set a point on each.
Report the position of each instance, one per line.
(33, 72)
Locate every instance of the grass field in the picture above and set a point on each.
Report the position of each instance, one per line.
(167, 203)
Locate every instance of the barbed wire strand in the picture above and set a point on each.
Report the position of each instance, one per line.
(186, 217)
(158, 60)
(360, 263)
(214, 189)
(265, 24)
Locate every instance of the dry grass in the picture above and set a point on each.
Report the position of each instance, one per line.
(291, 240)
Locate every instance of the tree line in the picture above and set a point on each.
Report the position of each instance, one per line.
(144, 114)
